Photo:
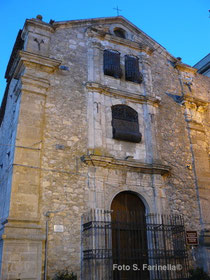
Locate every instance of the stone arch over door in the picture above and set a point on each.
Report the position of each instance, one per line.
(129, 236)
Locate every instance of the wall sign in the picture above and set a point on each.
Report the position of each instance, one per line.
(58, 228)
(191, 237)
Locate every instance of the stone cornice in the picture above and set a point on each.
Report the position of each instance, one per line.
(131, 165)
(23, 236)
(196, 126)
(38, 23)
(185, 68)
(32, 60)
(20, 220)
(96, 87)
(196, 100)
(49, 64)
(194, 103)
(32, 229)
(120, 41)
(131, 44)
(22, 224)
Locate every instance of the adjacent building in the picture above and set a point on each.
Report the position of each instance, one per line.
(203, 66)
(104, 154)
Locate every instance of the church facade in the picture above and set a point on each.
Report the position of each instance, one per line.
(104, 155)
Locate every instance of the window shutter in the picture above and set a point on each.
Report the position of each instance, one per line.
(112, 64)
(132, 69)
(125, 124)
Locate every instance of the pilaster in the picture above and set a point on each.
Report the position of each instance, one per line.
(23, 234)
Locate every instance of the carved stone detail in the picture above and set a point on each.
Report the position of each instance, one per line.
(194, 109)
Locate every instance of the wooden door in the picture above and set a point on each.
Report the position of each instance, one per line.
(129, 237)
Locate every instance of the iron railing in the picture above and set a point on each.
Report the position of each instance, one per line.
(129, 246)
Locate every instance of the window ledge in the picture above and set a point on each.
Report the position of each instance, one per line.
(133, 165)
(96, 87)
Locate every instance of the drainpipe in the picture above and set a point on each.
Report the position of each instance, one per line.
(47, 215)
(46, 244)
(194, 171)
(192, 152)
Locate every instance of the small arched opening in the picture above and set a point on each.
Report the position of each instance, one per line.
(119, 32)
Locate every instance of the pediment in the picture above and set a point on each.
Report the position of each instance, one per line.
(105, 27)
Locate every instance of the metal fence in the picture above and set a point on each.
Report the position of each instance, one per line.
(129, 246)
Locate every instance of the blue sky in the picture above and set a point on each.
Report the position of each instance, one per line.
(181, 26)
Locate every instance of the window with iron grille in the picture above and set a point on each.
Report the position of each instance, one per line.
(132, 72)
(125, 124)
(112, 64)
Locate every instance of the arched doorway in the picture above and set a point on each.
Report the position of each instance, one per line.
(129, 237)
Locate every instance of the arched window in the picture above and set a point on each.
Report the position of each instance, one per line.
(119, 32)
(112, 63)
(125, 124)
(132, 72)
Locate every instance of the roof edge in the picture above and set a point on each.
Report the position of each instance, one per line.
(201, 60)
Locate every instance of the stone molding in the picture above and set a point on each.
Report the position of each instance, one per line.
(194, 111)
(22, 220)
(17, 220)
(22, 236)
(40, 24)
(191, 101)
(28, 59)
(96, 87)
(131, 165)
(20, 228)
(93, 32)
(103, 20)
(195, 125)
(31, 59)
(185, 68)
(131, 44)
(35, 85)
(29, 82)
